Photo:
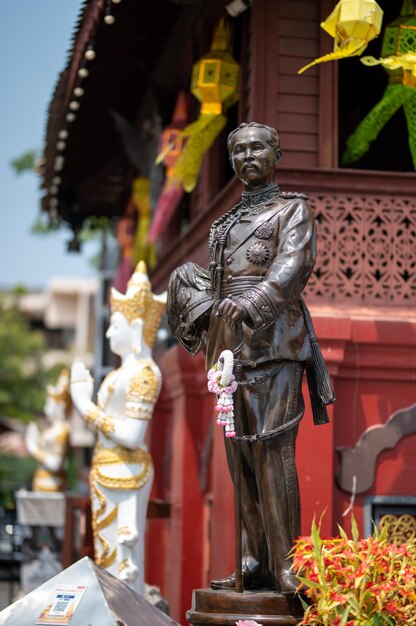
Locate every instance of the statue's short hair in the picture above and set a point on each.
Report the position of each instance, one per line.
(273, 138)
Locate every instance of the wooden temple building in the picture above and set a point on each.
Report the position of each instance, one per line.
(104, 120)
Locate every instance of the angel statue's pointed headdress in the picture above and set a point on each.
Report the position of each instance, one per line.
(140, 303)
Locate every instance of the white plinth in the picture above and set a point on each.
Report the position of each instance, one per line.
(40, 509)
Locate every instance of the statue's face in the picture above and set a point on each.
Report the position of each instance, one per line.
(119, 334)
(253, 158)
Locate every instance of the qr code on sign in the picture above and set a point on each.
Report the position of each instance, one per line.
(60, 607)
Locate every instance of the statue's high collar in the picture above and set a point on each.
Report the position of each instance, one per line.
(251, 198)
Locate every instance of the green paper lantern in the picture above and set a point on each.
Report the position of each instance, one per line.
(399, 39)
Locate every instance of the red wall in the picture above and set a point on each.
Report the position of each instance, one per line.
(373, 364)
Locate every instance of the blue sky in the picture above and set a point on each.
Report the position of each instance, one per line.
(34, 40)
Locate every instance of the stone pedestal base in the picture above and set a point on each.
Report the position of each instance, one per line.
(224, 608)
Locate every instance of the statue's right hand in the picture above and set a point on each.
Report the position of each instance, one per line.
(31, 437)
(82, 386)
(231, 310)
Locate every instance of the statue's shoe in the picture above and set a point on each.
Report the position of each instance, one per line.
(289, 584)
(128, 572)
(250, 581)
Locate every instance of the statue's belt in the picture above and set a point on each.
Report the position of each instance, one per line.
(238, 285)
(270, 434)
(120, 455)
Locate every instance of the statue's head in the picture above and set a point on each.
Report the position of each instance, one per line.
(254, 151)
(135, 316)
(58, 398)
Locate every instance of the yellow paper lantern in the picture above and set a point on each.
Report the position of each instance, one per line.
(216, 76)
(215, 82)
(352, 24)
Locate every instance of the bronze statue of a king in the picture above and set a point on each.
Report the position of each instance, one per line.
(249, 301)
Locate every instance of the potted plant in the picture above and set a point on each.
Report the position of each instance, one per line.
(356, 582)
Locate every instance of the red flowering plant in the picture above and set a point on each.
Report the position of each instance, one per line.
(356, 582)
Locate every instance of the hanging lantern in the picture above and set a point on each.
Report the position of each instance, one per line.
(352, 24)
(215, 82)
(172, 142)
(398, 51)
(172, 139)
(399, 59)
(140, 199)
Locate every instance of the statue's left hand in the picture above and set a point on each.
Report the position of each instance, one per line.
(82, 386)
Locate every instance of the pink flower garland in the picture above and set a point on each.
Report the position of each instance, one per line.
(221, 381)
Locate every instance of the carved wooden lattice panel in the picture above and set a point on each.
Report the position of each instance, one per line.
(366, 250)
(400, 528)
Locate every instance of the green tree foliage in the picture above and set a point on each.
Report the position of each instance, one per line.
(26, 162)
(15, 473)
(22, 376)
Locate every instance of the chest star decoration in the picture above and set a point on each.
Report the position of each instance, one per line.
(258, 253)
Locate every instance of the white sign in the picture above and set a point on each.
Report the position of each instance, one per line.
(62, 605)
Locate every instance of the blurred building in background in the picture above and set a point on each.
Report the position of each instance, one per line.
(65, 312)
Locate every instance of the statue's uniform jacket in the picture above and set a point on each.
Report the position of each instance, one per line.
(267, 258)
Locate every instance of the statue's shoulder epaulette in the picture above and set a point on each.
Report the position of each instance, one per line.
(290, 195)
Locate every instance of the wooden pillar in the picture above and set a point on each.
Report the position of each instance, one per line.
(262, 85)
(328, 99)
(191, 414)
(158, 527)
